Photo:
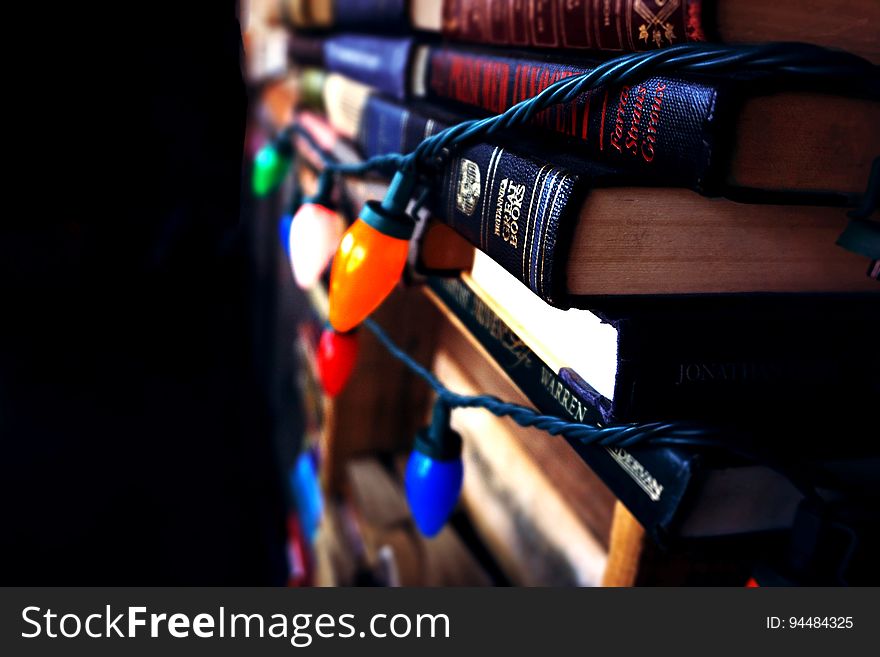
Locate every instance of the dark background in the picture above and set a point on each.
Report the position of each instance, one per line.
(140, 367)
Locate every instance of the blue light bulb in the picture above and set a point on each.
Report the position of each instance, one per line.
(305, 485)
(433, 479)
(284, 232)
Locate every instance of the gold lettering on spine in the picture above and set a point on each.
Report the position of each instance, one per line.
(511, 210)
(656, 28)
(499, 204)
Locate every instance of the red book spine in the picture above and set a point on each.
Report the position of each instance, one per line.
(575, 21)
(519, 22)
(599, 24)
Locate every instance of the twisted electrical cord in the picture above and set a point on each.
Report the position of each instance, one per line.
(628, 435)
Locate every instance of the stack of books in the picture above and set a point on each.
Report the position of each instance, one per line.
(664, 250)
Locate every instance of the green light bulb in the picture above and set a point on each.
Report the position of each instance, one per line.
(270, 167)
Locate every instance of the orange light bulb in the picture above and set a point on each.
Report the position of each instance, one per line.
(366, 267)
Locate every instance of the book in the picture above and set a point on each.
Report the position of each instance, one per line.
(378, 124)
(574, 237)
(266, 53)
(701, 360)
(381, 62)
(627, 25)
(360, 15)
(674, 492)
(633, 25)
(571, 233)
(355, 191)
(717, 136)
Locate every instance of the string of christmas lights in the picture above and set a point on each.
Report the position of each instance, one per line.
(372, 252)
(434, 471)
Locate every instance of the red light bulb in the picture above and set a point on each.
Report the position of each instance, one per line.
(315, 233)
(337, 355)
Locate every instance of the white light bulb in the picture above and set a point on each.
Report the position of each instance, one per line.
(314, 237)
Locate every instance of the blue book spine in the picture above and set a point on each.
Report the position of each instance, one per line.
(518, 210)
(371, 15)
(388, 127)
(380, 62)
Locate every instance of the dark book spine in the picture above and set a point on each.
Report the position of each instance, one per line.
(515, 209)
(388, 127)
(371, 15)
(745, 366)
(380, 62)
(506, 205)
(652, 483)
(661, 128)
(595, 24)
(305, 50)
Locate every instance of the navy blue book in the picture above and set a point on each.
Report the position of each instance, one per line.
(381, 62)
(371, 16)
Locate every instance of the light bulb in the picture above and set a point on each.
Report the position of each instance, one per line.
(284, 232)
(433, 478)
(305, 485)
(367, 265)
(314, 236)
(337, 355)
(270, 167)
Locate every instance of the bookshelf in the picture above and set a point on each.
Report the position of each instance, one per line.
(688, 251)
